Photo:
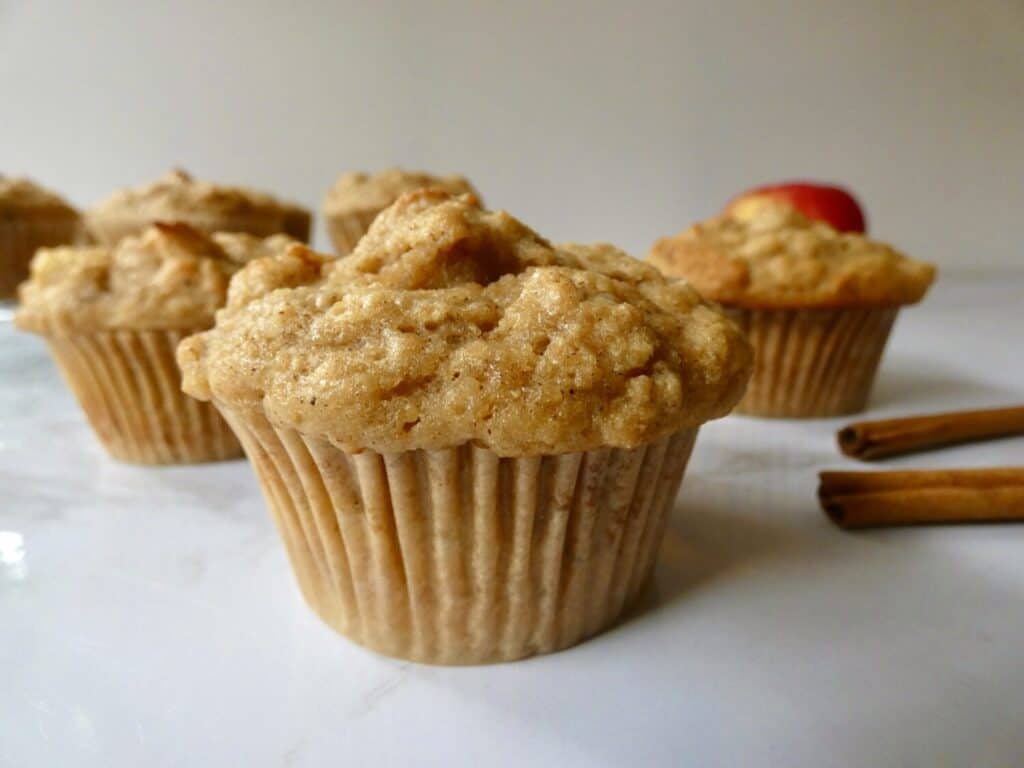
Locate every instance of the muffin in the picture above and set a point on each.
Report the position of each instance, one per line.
(176, 196)
(30, 217)
(355, 200)
(470, 439)
(112, 318)
(817, 304)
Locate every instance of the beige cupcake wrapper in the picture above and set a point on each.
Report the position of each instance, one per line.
(19, 239)
(347, 229)
(109, 230)
(129, 386)
(459, 556)
(812, 363)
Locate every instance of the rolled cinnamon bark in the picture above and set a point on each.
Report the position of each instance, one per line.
(868, 440)
(877, 499)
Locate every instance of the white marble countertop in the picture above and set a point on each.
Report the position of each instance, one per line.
(148, 616)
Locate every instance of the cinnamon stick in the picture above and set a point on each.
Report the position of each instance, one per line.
(916, 497)
(868, 440)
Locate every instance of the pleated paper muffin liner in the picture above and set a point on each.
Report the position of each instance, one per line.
(811, 363)
(129, 386)
(347, 229)
(460, 556)
(112, 229)
(19, 239)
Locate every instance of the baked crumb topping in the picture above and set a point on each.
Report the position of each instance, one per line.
(772, 256)
(368, 192)
(172, 276)
(177, 196)
(450, 324)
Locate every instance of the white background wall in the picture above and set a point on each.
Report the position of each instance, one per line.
(607, 120)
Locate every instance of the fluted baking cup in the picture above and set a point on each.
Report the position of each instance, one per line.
(813, 362)
(129, 386)
(460, 556)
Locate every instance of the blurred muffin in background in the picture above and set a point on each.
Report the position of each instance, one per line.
(31, 217)
(207, 207)
(355, 200)
(112, 318)
(817, 304)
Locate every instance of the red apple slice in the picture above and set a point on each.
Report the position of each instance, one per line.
(833, 205)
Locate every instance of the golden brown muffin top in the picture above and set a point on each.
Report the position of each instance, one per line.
(177, 194)
(170, 277)
(450, 324)
(19, 195)
(375, 192)
(773, 257)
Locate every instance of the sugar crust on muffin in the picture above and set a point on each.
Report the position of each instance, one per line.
(178, 192)
(450, 324)
(178, 196)
(773, 257)
(171, 276)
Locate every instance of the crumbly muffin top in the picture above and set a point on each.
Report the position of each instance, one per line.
(450, 324)
(366, 192)
(773, 257)
(20, 195)
(170, 277)
(177, 194)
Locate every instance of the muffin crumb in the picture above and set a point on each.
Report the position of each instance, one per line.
(172, 276)
(770, 256)
(450, 324)
(362, 191)
(177, 196)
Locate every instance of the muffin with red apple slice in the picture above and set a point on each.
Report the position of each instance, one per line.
(817, 304)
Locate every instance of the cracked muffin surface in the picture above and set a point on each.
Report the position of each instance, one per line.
(171, 276)
(356, 191)
(178, 196)
(450, 324)
(771, 256)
